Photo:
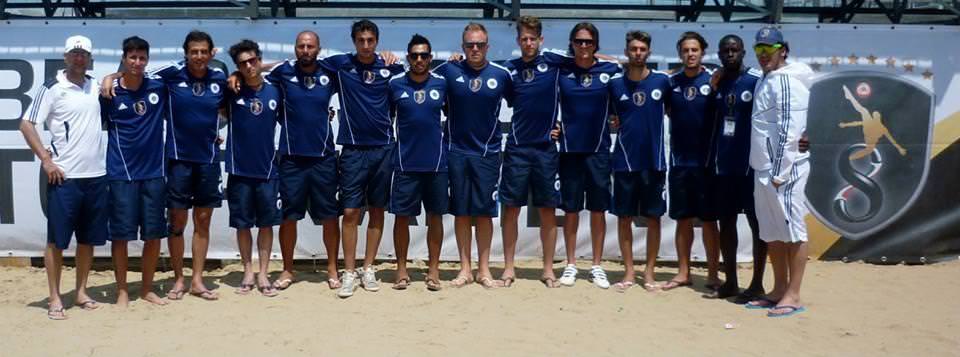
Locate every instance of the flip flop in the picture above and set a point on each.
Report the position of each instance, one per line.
(761, 303)
(488, 283)
(268, 291)
(88, 305)
(333, 283)
(622, 286)
(651, 287)
(433, 284)
(508, 281)
(550, 283)
(461, 281)
(746, 296)
(206, 295)
(793, 310)
(244, 289)
(282, 284)
(56, 313)
(673, 284)
(401, 284)
(175, 294)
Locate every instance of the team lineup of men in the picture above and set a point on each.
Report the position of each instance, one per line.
(734, 144)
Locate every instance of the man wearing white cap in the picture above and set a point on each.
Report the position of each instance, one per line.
(74, 163)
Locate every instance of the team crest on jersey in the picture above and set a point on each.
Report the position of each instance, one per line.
(586, 80)
(324, 80)
(310, 82)
(746, 96)
(153, 98)
(527, 75)
(419, 96)
(492, 83)
(434, 94)
(272, 104)
(542, 67)
(690, 93)
(655, 94)
(198, 89)
(705, 89)
(215, 88)
(256, 107)
(639, 98)
(140, 107)
(368, 77)
(475, 84)
(731, 100)
(385, 73)
(604, 78)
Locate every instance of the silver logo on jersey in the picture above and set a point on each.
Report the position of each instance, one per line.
(527, 75)
(639, 98)
(310, 82)
(655, 94)
(198, 89)
(272, 104)
(154, 98)
(140, 107)
(385, 73)
(434, 94)
(586, 80)
(705, 89)
(215, 88)
(542, 67)
(256, 107)
(746, 96)
(324, 80)
(368, 77)
(604, 78)
(492, 83)
(475, 84)
(690, 93)
(419, 96)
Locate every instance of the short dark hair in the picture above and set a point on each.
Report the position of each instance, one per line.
(362, 26)
(135, 43)
(197, 36)
(593, 32)
(244, 45)
(692, 35)
(730, 37)
(530, 23)
(418, 39)
(635, 35)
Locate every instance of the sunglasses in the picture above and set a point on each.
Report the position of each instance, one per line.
(766, 50)
(252, 61)
(477, 45)
(419, 55)
(581, 42)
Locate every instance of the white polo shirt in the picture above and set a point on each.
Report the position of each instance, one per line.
(72, 113)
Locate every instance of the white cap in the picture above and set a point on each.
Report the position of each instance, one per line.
(78, 42)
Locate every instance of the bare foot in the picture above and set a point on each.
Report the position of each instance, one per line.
(123, 299)
(154, 299)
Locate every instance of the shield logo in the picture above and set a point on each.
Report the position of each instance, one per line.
(140, 107)
(639, 98)
(256, 107)
(198, 89)
(586, 80)
(870, 136)
(528, 75)
(419, 96)
(690, 93)
(310, 82)
(475, 84)
(368, 77)
(731, 100)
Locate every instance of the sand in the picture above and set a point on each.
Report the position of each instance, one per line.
(854, 309)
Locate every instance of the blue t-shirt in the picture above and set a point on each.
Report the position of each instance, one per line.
(253, 121)
(691, 119)
(193, 107)
(304, 118)
(416, 107)
(473, 99)
(584, 107)
(731, 134)
(535, 98)
(640, 106)
(134, 121)
(364, 112)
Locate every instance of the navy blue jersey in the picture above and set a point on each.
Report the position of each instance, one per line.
(534, 98)
(193, 106)
(691, 119)
(364, 111)
(134, 121)
(584, 104)
(473, 99)
(640, 106)
(253, 120)
(731, 130)
(304, 116)
(416, 107)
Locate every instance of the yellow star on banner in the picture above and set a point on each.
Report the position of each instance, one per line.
(853, 58)
(892, 63)
(815, 66)
(872, 59)
(908, 67)
(927, 74)
(834, 61)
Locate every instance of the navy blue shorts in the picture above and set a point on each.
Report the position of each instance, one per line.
(410, 189)
(530, 170)
(253, 202)
(687, 187)
(365, 175)
(138, 207)
(639, 193)
(473, 184)
(585, 181)
(728, 195)
(193, 184)
(78, 206)
(308, 184)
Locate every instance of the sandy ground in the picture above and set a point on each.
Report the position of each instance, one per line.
(853, 309)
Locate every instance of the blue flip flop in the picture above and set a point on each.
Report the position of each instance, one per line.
(793, 311)
(767, 304)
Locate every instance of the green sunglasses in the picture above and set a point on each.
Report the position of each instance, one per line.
(766, 50)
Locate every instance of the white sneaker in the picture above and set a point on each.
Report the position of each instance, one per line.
(569, 276)
(369, 280)
(348, 284)
(599, 277)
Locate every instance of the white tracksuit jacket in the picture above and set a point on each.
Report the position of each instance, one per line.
(779, 120)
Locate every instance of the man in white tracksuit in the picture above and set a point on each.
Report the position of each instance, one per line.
(779, 121)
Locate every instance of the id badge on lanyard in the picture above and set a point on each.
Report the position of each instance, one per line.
(729, 125)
